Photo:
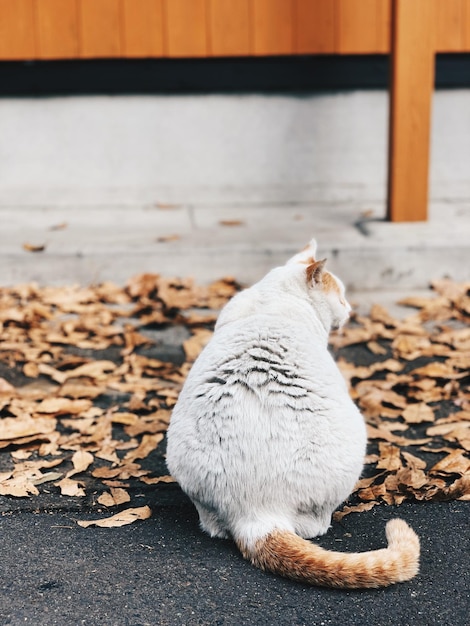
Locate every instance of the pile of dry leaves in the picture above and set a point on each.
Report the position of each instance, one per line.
(87, 387)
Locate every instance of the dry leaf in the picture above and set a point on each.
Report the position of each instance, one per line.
(159, 479)
(453, 463)
(120, 519)
(376, 348)
(166, 238)
(194, 345)
(358, 508)
(417, 413)
(63, 406)
(438, 370)
(18, 487)
(5, 386)
(69, 487)
(81, 462)
(413, 462)
(14, 428)
(116, 497)
(47, 478)
(147, 445)
(34, 247)
(389, 457)
(231, 222)
(61, 226)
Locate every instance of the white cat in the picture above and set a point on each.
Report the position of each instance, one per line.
(266, 440)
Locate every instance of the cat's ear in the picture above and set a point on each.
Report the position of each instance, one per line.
(313, 247)
(314, 272)
(306, 255)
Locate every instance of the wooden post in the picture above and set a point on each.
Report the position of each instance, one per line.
(411, 89)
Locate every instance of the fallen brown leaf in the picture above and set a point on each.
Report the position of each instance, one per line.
(165, 238)
(15, 428)
(69, 487)
(357, 508)
(81, 461)
(417, 413)
(116, 496)
(231, 222)
(123, 518)
(29, 247)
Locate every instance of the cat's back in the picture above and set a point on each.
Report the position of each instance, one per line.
(260, 362)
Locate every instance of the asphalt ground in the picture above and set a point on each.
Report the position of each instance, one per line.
(165, 571)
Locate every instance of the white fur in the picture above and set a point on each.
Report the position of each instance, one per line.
(264, 434)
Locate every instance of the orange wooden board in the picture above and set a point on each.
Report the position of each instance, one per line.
(100, 28)
(466, 26)
(451, 25)
(57, 29)
(273, 27)
(17, 32)
(410, 110)
(143, 28)
(51, 29)
(315, 26)
(361, 26)
(186, 31)
(230, 27)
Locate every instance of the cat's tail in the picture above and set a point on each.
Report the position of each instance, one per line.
(285, 553)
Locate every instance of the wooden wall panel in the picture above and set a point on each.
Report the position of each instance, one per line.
(57, 29)
(186, 32)
(230, 27)
(100, 28)
(466, 26)
(315, 26)
(17, 30)
(452, 25)
(184, 28)
(142, 23)
(448, 23)
(384, 27)
(273, 27)
(361, 26)
(412, 86)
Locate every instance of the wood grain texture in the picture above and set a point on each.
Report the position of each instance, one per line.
(196, 28)
(361, 26)
(100, 28)
(142, 27)
(230, 27)
(466, 26)
(448, 25)
(17, 30)
(273, 27)
(384, 27)
(452, 25)
(412, 85)
(186, 28)
(57, 27)
(315, 26)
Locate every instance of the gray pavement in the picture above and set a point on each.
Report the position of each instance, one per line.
(165, 571)
(93, 244)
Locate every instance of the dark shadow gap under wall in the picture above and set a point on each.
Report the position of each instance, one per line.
(222, 75)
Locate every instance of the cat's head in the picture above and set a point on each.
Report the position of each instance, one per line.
(325, 290)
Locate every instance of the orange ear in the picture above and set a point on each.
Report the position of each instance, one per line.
(315, 272)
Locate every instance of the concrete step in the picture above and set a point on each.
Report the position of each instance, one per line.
(94, 244)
